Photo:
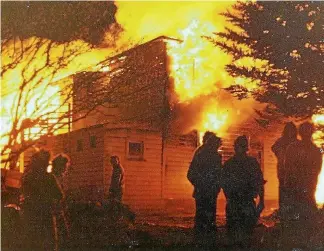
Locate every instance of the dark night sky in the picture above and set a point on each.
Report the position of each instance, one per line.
(59, 21)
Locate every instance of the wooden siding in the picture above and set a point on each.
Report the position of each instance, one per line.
(178, 155)
(142, 85)
(84, 178)
(148, 185)
(143, 178)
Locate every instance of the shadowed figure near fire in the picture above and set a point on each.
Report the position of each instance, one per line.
(242, 183)
(116, 191)
(303, 161)
(41, 193)
(289, 136)
(60, 213)
(204, 174)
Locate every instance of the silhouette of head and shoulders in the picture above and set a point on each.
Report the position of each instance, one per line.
(241, 166)
(60, 164)
(37, 183)
(115, 162)
(289, 136)
(210, 144)
(306, 131)
(241, 173)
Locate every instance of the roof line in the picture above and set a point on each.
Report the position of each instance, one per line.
(140, 45)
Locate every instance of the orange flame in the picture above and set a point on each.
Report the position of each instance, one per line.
(198, 70)
(42, 91)
(196, 64)
(318, 136)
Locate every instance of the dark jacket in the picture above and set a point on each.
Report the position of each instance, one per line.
(205, 172)
(117, 184)
(40, 191)
(242, 178)
(303, 162)
(279, 148)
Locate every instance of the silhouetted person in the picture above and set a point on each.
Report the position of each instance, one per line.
(117, 183)
(242, 183)
(116, 191)
(41, 192)
(204, 174)
(59, 167)
(303, 161)
(289, 135)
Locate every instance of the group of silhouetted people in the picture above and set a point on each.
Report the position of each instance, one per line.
(240, 178)
(44, 210)
(298, 168)
(44, 219)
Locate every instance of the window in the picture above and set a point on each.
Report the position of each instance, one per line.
(79, 145)
(93, 141)
(136, 150)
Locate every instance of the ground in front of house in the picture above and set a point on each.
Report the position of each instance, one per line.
(173, 231)
(161, 232)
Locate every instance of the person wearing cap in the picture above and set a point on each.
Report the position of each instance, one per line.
(204, 174)
(303, 162)
(242, 183)
(279, 148)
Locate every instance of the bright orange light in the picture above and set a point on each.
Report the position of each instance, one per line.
(198, 70)
(42, 93)
(318, 139)
(196, 65)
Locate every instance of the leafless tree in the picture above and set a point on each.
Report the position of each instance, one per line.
(29, 90)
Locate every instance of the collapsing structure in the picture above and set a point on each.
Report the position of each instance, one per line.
(137, 120)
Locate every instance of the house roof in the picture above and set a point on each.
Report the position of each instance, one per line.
(158, 39)
(129, 51)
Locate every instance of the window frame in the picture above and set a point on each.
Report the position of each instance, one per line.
(79, 145)
(135, 157)
(91, 141)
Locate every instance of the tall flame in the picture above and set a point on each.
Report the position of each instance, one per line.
(198, 70)
(318, 137)
(196, 65)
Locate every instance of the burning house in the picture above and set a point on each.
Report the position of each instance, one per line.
(150, 105)
(142, 120)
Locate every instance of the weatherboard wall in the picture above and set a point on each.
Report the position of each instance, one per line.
(143, 177)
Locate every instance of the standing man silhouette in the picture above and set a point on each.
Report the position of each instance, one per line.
(242, 183)
(117, 184)
(204, 174)
(303, 162)
(279, 148)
